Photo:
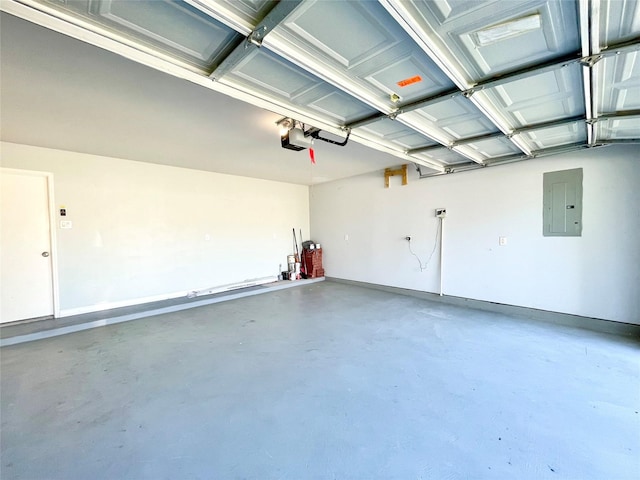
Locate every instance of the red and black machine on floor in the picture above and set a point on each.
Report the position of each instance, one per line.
(312, 259)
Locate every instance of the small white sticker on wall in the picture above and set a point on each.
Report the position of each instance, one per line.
(66, 224)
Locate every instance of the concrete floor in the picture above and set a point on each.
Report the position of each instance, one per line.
(325, 381)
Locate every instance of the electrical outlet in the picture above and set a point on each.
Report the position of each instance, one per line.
(441, 212)
(407, 238)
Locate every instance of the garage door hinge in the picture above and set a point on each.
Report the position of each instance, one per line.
(591, 60)
(257, 36)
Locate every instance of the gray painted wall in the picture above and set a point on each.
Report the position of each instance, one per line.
(595, 275)
(144, 232)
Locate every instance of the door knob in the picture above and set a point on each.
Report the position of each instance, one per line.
(45, 254)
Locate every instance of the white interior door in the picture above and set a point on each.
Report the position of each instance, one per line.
(25, 247)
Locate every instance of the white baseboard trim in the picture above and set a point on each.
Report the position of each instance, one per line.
(232, 286)
(236, 294)
(99, 307)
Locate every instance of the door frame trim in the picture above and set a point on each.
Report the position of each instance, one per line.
(52, 230)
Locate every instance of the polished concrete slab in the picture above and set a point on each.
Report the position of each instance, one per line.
(324, 381)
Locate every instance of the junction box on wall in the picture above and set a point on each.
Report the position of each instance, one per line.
(441, 212)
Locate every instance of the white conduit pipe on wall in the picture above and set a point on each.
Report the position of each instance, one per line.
(441, 252)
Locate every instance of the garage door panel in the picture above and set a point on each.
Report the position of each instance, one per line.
(456, 117)
(494, 147)
(443, 156)
(547, 96)
(394, 134)
(370, 60)
(274, 77)
(622, 21)
(627, 128)
(574, 132)
(619, 80)
(483, 39)
(175, 28)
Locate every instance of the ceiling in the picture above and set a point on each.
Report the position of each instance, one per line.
(447, 85)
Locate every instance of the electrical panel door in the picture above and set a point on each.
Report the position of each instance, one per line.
(562, 199)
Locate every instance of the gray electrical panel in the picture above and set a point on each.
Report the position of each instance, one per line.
(562, 202)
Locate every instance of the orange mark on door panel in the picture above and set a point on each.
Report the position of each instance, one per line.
(409, 81)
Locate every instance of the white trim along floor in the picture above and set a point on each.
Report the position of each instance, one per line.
(19, 332)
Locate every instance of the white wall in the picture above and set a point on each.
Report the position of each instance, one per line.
(595, 275)
(140, 230)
